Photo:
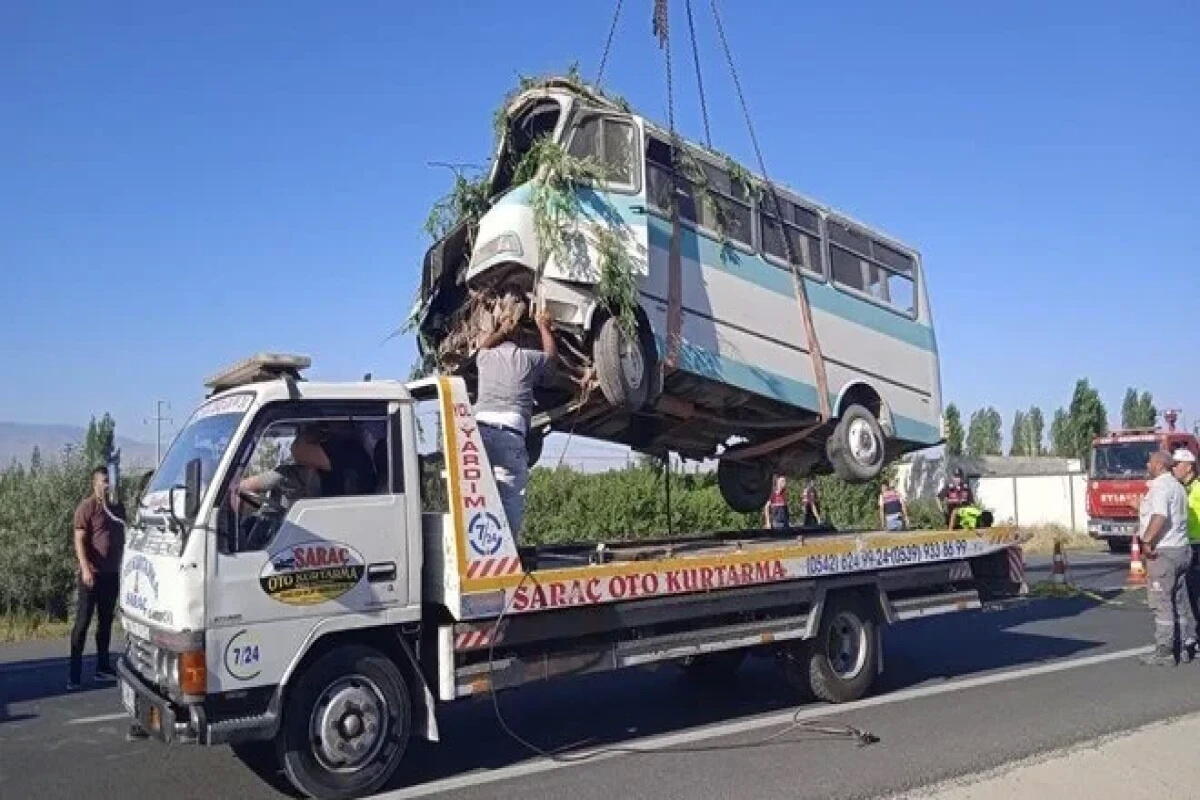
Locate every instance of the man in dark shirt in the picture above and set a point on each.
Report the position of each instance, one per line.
(99, 541)
(954, 495)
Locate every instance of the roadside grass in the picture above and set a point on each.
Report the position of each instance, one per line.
(23, 626)
(1044, 537)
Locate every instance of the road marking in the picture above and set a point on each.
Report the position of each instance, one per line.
(667, 741)
(97, 718)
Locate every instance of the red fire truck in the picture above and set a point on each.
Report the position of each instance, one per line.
(1117, 478)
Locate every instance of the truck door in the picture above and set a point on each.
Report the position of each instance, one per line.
(324, 542)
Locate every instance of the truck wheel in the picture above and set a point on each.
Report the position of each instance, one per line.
(346, 724)
(713, 668)
(856, 447)
(745, 485)
(624, 365)
(842, 657)
(1118, 545)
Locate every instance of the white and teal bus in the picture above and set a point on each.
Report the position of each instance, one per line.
(743, 382)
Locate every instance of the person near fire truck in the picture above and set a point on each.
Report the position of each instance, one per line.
(1185, 471)
(1162, 530)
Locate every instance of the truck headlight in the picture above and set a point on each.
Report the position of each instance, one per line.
(182, 674)
(506, 243)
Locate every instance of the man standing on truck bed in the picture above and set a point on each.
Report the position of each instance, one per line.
(99, 535)
(1163, 531)
(508, 375)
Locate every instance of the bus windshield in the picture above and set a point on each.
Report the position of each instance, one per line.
(1125, 460)
(537, 119)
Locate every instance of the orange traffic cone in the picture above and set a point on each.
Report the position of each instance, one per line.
(1059, 570)
(1137, 568)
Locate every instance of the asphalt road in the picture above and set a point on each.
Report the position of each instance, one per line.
(961, 694)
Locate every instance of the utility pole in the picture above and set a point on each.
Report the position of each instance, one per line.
(159, 419)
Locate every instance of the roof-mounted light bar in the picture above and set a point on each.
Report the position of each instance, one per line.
(259, 367)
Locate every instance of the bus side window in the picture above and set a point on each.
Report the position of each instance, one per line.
(610, 142)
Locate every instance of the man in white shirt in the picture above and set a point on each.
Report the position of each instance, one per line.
(1163, 533)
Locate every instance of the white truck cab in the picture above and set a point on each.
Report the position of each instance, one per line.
(285, 580)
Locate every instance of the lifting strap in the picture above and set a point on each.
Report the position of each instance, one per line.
(798, 283)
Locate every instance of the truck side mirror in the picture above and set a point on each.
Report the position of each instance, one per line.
(193, 472)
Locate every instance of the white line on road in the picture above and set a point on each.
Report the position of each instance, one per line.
(97, 718)
(667, 741)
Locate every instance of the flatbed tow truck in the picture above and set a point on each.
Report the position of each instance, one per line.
(334, 627)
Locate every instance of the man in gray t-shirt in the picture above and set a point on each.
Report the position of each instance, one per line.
(508, 375)
(1163, 533)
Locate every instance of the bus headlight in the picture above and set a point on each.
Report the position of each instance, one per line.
(504, 244)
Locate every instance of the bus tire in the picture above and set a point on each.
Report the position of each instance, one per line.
(347, 719)
(745, 485)
(624, 365)
(856, 447)
(1118, 544)
(843, 655)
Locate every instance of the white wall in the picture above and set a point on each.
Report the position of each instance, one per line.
(1020, 500)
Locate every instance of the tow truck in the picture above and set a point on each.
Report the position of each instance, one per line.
(336, 625)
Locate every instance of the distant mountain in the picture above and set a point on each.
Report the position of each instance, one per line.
(17, 440)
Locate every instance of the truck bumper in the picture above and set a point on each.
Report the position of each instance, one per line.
(151, 711)
(175, 724)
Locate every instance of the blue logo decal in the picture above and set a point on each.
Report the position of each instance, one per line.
(139, 566)
(485, 533)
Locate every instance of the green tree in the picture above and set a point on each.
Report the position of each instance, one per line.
(1060, 433)
(98, 443)
(1034, 425)
(1019, 439)
(1138, 411)
(954, 430)
(35, 460)
(984, 436)
(1087, 419)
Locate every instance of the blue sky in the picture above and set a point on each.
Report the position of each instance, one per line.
(188, 183)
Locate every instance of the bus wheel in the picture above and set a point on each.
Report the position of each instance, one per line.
(346, 724)
(856, 447)
(842, 657)
(624, 365)
(745, 485)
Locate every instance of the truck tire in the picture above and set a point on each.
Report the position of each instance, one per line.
(346, 724)
(842, 657)
(713, 668)
(624, 365)
(745, 485)
(856, 447)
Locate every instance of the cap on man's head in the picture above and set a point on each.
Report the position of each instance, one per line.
(1184, 456)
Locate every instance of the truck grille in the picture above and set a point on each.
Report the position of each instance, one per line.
(143, 657)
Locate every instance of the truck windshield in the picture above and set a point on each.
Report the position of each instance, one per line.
(206, 436)
(1122, 459)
